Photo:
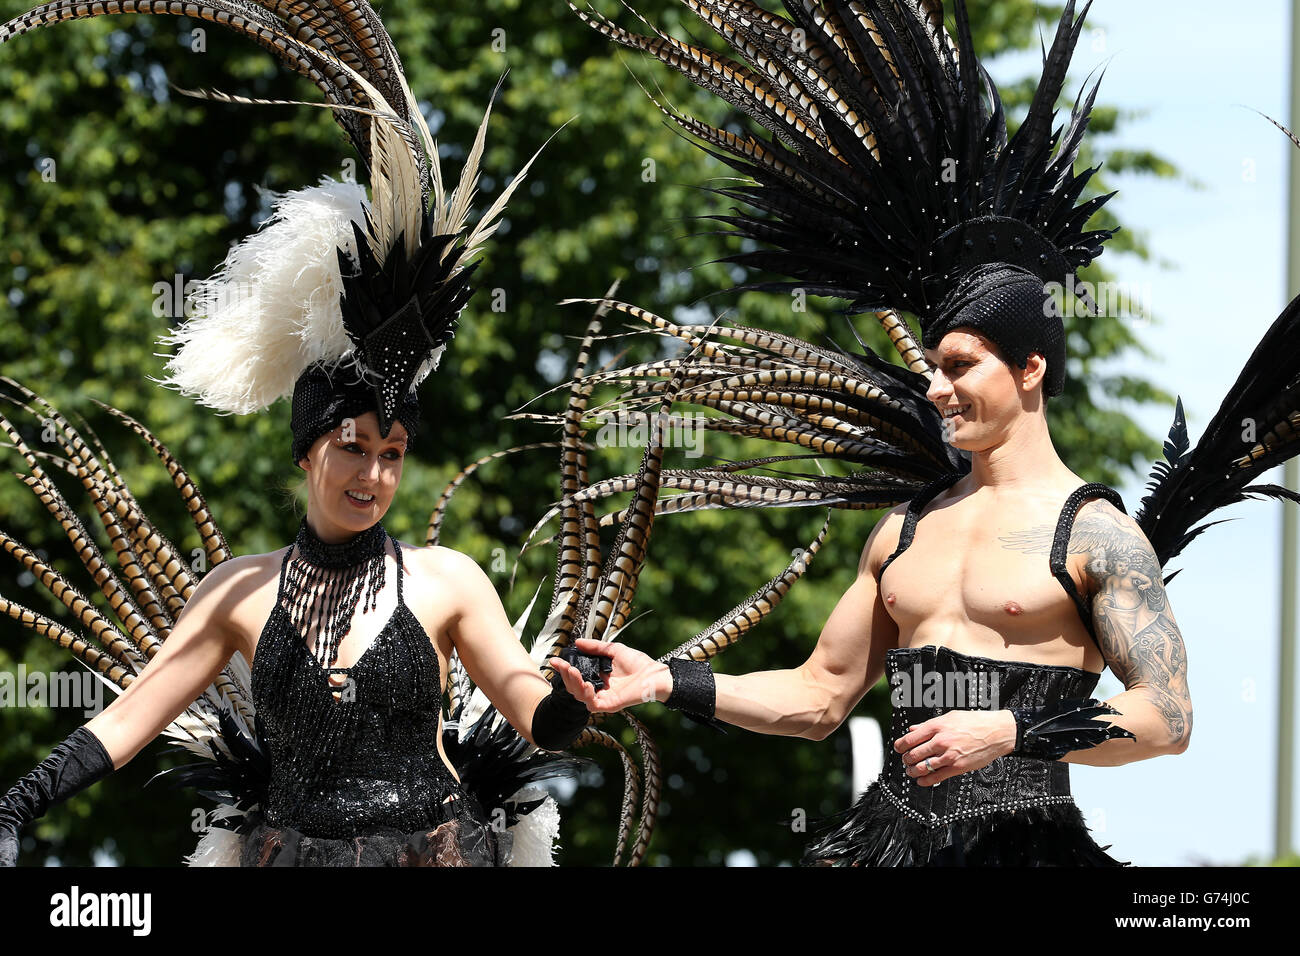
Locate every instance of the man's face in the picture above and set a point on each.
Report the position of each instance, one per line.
(978, 393)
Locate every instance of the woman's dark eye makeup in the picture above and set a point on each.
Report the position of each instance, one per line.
(392, 454)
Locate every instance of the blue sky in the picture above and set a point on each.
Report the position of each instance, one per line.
(1196, 76)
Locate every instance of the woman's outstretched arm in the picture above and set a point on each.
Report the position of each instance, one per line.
(810, 700)
(199, 646)
(498, 664)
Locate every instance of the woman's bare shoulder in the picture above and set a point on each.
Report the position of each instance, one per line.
(248, 566)
(238, 594)
(447, 564)
(237, 581)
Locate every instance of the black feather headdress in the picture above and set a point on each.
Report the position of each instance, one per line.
(887, 179)
(889, 172)
(368, 285)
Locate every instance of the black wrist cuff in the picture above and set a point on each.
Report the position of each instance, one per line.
(693, 688)
(558, 720)
(1051, 731)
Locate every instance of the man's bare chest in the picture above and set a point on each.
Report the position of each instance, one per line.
(973, 570)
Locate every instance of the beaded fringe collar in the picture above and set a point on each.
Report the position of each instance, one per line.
(325, 583)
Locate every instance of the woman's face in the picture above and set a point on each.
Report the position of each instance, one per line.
(352, 475)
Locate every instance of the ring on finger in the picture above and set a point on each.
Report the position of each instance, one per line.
(928, 768)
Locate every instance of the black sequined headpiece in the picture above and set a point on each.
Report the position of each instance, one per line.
(322, 399)
(398, 314)
(401, 311)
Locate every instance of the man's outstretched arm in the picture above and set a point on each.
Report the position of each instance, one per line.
(1138, 637)
(810, 700)
(815, 698)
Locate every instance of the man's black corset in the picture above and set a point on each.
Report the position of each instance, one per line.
(928, 681)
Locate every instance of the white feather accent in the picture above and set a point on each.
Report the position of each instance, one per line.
(219, 846)
(242, 674)
(117, 691)
(273, 307)
(537, 833)
(452, 213)
(548, 634)
(475, 707)
(490, 220)
(194, 731)
(430, 364)
(522, 621)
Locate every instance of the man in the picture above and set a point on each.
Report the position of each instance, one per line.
(969, 593)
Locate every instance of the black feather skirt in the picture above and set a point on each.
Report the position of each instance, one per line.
(460, 836)
(875, 833)
(1016, 811)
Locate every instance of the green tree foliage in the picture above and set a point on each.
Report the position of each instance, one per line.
(111, 182)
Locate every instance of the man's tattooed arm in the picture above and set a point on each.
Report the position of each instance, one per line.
(1137, 634)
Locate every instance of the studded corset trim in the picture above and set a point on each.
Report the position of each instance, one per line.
(925, 682)
(366, 759)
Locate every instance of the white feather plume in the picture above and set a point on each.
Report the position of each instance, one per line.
(219, 846)
(430, 364)
(537, 832)
(273, 307)
(475, 707)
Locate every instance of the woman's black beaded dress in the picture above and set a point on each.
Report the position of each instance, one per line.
(1017, 811)
(356, 776)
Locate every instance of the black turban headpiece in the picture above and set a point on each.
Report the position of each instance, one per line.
(1012, 308)
(323, 397)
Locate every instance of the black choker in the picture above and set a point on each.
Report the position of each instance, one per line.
(351, 552)
(326, 583)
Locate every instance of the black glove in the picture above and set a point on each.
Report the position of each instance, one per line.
(1051, 731)
(71, 767)
(560, 717)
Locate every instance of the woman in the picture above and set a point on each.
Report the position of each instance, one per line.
(345, 301)
(349, 632)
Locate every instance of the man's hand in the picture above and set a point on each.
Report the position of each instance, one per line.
(635, 679)
(956, 742)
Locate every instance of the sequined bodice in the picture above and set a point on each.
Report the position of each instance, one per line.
(928, 681)
(368, 758)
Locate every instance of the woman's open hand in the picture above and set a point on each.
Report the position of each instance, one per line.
(635, 679)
